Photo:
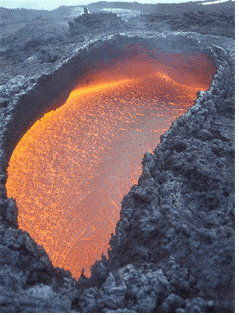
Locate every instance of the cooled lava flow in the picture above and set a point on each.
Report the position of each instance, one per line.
(72, 168)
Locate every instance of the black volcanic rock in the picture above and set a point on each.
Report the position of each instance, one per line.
(179, 219)
(216, 19)
(96, 22)
(221, 24)
(173, 249)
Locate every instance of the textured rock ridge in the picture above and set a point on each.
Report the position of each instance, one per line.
(177, 225)
(173, 248)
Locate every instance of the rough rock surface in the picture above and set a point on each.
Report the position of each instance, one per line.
(173, 249)
(28, 280)
(177, 224)
(97, 22)
(214, 23)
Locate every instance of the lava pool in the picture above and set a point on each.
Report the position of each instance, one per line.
(71, 169)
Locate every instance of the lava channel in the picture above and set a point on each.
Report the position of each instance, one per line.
(70, 171)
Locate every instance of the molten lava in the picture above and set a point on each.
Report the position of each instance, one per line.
(72, 168)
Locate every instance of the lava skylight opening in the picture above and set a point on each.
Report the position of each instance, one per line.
(71, 169)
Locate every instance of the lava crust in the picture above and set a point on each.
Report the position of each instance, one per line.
(71, 170)
(173, 246)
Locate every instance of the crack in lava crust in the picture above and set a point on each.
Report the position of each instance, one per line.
(71, 170)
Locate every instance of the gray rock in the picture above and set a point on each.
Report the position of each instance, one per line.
(112, 294)
(173, 249)
(87, 301)
(171, 303)
(11, 212)
(205, 134)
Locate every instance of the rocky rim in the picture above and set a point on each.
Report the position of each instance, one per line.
(173, 249)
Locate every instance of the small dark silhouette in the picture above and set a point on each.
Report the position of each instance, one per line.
(86, 11)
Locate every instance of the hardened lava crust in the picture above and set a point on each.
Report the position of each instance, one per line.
(173, 247)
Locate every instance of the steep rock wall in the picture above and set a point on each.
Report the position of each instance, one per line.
(173, 250)
(174, 244)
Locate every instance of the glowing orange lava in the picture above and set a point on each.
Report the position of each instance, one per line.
(71, 170)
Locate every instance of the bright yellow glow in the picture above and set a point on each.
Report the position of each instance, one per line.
(71, 170)
(92, 89)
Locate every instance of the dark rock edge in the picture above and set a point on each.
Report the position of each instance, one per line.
(174, 245)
